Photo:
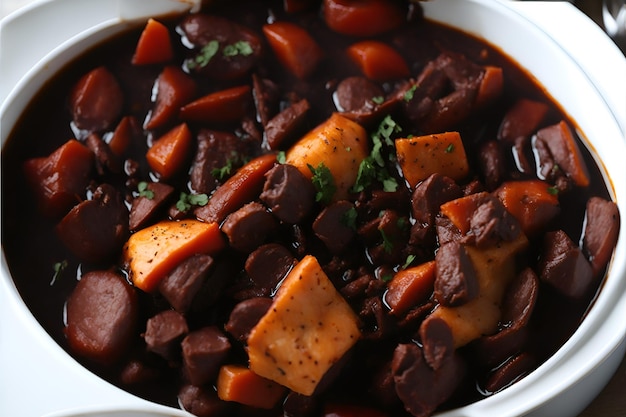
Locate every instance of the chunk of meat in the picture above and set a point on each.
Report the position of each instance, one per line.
(96, 100)
(145, 206)
(522, 119)
(217, 151)
(248, 227)
(437, 342)
(281, 129)
(204, 351)
(245, 315)
(492, 164)
(601, 229)
(332, 226)
(266, 95)
(106, 160)
(421, 388)
(491, 223)
(182, 284)
(164, 332)
(288, 193)
(225, 50)
(455, 280)
(101, 317)
(267, 266)
(202, 401)
(95, 230)
(430, 194)
(563, 265)
(511, 371)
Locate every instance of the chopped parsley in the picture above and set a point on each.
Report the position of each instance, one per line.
(238, 48)
(553, 191)
(387, 243)
(408, 95)
(207, 52)
(409, 261)
(373, 166)
(450, 148)
(142, 187)
(186, 201)
(58, 268)
(281, 157)
(323, 182)
(378, 100)
(349, 218)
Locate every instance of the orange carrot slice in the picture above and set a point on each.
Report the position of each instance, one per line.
(378, 61)
(239, 384)
(154, 45)
(294, 47)
(223, 106)
(169, 153)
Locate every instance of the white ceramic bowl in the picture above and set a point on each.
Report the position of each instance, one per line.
(572, 58)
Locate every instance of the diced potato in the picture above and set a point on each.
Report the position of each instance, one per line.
(340, 144)
(495, 268)
(307, 329)
(442, 153)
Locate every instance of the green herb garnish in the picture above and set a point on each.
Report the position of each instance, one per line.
(281, 157)
(387, 243)
(409, 261)
(207, 52)
(553, 191)
(349, 218)
(142, 187)
(323, 182)
(58, 268)
(408, 95)
(186, 201)
(238, 48)
(378, 100)
(450, 148)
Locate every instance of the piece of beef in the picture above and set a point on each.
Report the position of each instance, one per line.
(563, 265)
(245, 315)
(164, 332)
(180, 286)
(204, 351)
(267, 266)
(283, 128)
(148, 203)
(602, 226)
(455, 280)
(101, 317)
(249, 227)
(331, 226)
(95, 230)
(288, 193)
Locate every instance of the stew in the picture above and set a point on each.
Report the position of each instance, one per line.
(304, 208)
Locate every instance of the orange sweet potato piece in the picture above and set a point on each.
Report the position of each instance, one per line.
(169, 153)
(174, 90)
(60, 179)
(154, 45)
(294, 47)
(421, 156)
(533, 203)
(362, 18)
(245, 185)
(151, 253)
(491, 86)
(378, 61)
(410, 286)
(224, 106)
(239, 384)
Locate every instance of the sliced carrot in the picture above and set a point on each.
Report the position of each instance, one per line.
(60, 179)
(169, 153)
(245, 185)
(174, 90)
(378, 61)
(239, 384)
(565, 151)
(410, 286)
(460, 210)
(340, 144)
(154, 45)
(421, 156)
(491, 86)
(151, 253)
(534, 203)
(294, 47)
(222, 106)
(362, 18)
(522, 119)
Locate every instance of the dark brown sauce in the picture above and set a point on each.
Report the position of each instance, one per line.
(32, 248)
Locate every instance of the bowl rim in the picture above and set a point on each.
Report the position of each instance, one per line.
(596, 323)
